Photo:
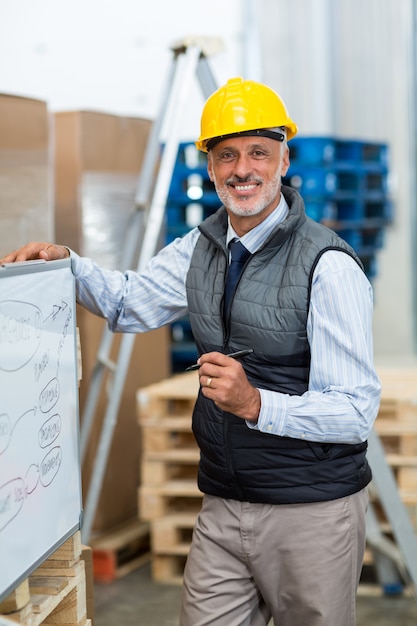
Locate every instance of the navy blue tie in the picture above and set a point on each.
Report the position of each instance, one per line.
(239, 255)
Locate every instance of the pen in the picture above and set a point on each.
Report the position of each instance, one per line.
(233, 355)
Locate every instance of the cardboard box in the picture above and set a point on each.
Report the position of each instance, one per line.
(149, 363)
(97, 164)
(98, 158)
(26, 211)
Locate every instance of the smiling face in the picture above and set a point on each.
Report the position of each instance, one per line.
(246, 172)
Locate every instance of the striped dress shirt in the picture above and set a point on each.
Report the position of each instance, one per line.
(343, 394)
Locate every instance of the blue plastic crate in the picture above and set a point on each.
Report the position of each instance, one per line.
(188, 214)
(323, 182)
(378, 208)
(320, 210)
(182, 356)
(373, 238)
(352, 236)
(375, 153)
(174, 214)
(189, 184)
(190, 156)
(375, 181)
(361, 152)
(348, 150)
(181, 330)
(349, 210)
(370, 265)
(172, 231)
(312, 150)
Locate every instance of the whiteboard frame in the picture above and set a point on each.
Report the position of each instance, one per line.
(33, 267)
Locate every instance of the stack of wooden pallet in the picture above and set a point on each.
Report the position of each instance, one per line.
(396, 426)
(54, 594)
(169, 498)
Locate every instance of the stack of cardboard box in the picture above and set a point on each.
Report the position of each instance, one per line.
(98, 157)
(71, 177)
(26, 208)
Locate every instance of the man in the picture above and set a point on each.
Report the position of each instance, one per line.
(282, 431)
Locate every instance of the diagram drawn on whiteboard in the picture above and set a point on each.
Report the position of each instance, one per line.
(40, 498)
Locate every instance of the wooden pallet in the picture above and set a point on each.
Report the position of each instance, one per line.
(120, 551)
(167, 434)
(54, 594)
(176, 464)
(398, 383)
(171, 539)
(174, 496)
(168, 497)
(172, 397)
(396, 426)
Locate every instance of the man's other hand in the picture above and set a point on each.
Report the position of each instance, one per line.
(37, 250)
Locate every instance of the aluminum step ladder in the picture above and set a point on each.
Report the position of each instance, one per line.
(190, 60)
(395, 562)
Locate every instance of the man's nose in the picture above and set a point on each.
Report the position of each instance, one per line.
(242, 167)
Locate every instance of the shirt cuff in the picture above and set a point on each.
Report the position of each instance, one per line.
(271, 418)
(75, 261)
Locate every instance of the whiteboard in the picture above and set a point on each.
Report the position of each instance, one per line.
(40, 476)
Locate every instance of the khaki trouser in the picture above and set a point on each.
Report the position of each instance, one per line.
(297, 563)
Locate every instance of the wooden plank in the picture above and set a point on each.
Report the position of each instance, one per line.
(69, 552)
(178, 423)
(174, 496)
(121, 551)
(5, 621)
(159, 472)
(160, 439)
(17, 599)
(72, 608)
(173, 396)
(121, 535)
(47, 585)
(176, 455)
(399, 383)
(392, 427)
(172, 534)
(158, 467)
(45, 604)
(63, 601)
(168, 568)
(401, 460)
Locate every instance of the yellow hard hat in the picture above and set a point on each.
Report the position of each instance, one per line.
(241, 106)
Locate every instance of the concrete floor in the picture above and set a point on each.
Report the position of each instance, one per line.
(136, 600)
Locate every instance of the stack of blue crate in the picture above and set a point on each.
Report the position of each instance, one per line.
(344, 184)
(191, 199)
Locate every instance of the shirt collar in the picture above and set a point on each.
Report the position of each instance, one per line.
(256, 237)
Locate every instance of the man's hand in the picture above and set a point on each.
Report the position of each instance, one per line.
(224, 381)
(37, 250)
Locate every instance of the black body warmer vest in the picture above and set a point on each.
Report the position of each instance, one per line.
(269, 314)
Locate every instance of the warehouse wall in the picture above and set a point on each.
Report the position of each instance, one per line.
(110, 56)
(346, 68)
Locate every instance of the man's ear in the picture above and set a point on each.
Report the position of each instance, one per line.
(210, 167)
(285, 161)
